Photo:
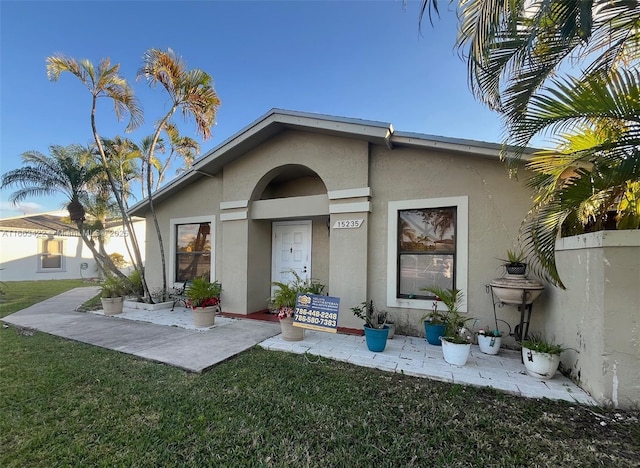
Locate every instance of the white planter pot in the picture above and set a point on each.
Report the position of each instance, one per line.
(204, 316)
(112, 305)
(540, 365)
(454, 353)
(489, 344)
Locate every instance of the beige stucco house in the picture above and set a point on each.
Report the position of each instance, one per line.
(372, 212)
(379, 214)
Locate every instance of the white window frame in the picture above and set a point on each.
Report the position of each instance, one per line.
(173, 222)
(63, 248)
(462, 248)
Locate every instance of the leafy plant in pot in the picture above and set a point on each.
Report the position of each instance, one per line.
(376, 331)
(112, 295)
(541, 358)
(515, 263)
(203, 297)
(456, 340)
(284, 299)
(435, 323)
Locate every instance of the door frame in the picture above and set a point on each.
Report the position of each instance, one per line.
(306, 222)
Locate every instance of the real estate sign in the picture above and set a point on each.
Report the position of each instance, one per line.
(317, 312)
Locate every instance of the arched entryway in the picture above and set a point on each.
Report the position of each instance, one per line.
(288, 227)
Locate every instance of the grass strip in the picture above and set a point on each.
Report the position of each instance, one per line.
(69, 404)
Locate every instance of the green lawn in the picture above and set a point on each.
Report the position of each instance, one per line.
(20, 294)
(64, 403)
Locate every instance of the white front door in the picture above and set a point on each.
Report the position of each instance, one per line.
(291, 250)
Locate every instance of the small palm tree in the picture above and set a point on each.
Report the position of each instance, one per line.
(105, 82)
(185, 147)
(191, 92)
(64, 172)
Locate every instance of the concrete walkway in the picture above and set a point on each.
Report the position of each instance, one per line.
(200, 349)
(192, 350)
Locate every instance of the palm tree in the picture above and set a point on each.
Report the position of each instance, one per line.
(64, 171)
(105, 82)
(123, 155)
(191, 92)
(185, 147)
(568, 68)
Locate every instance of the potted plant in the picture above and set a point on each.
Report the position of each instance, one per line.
(284, 299)
(541, 358)
(489, 340)
(456, 340)
(203, 297)
(435, 324)
(112, 295)
(515, 263)
(376, 331)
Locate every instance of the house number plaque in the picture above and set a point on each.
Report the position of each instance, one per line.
(348, 224)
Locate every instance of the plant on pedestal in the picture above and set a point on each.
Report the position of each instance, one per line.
(515, 263)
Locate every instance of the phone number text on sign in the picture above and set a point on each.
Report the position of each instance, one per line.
(317, 312)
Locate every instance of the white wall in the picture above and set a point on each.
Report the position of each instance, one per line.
(19, 255)
(598, 316)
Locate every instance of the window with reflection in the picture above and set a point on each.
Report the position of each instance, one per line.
(426, 251)
(193, 251)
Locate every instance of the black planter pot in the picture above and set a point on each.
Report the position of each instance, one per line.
(516, 268)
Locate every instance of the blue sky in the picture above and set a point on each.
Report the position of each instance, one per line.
(361, 59)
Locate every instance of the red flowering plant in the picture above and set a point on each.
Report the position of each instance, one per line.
(203, 293)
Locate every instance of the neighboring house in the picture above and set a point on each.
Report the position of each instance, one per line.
(372, 212)
(44, 246)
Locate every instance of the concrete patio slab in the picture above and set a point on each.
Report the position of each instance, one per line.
(194, 350)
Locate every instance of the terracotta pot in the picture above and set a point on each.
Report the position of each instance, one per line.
(112, 305)
(204, 316)
(289, 332)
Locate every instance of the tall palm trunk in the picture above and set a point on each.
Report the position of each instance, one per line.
(137, 264)
(77, 215)
(152, 209)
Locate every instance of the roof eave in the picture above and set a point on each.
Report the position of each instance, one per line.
(277, 121)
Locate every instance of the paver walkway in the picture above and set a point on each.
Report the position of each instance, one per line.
(197, 350)
(414, 356)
